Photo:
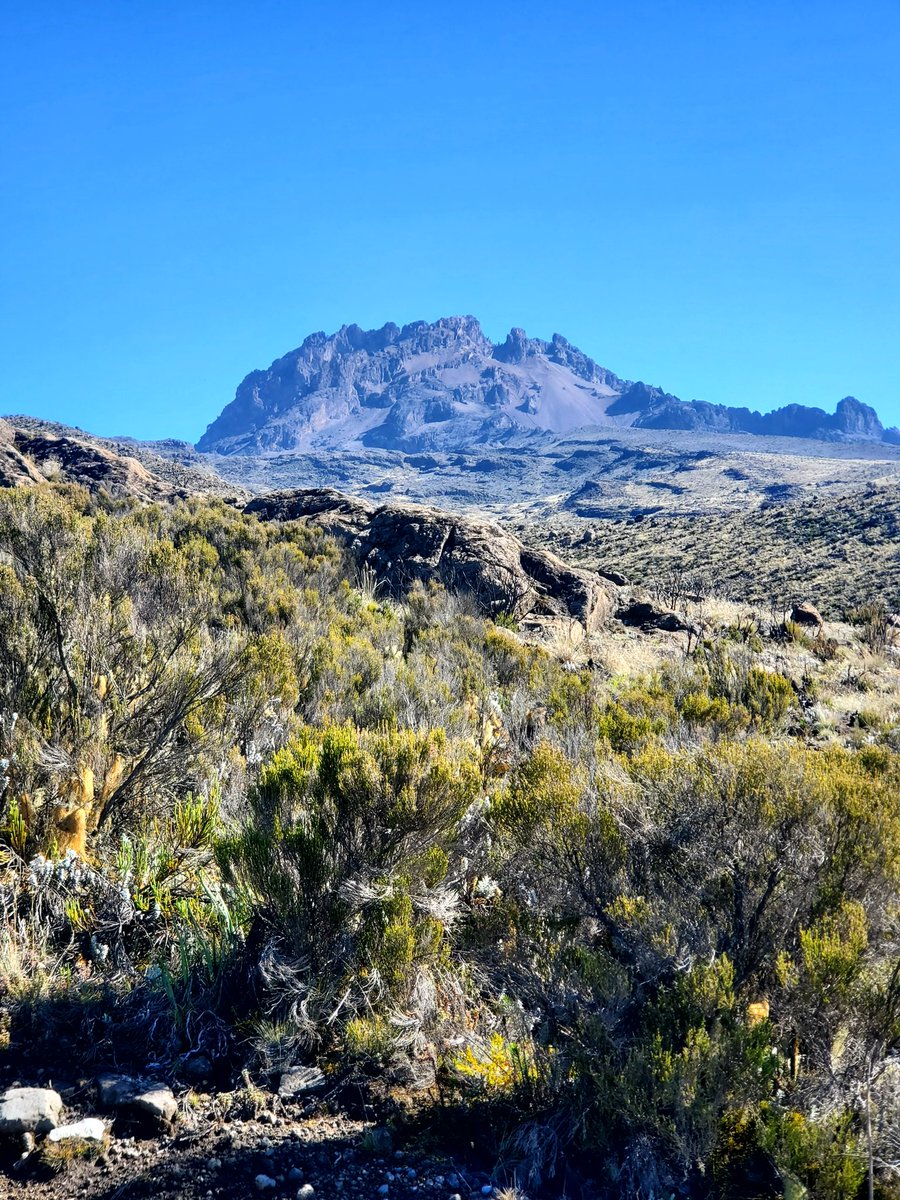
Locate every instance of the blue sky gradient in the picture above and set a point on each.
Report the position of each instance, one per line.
(704, 196)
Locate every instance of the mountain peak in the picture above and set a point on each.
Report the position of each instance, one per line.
(443, 385)
(515, 348)
(855, 418)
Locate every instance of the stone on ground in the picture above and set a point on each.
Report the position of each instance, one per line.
(29, 1110)
(91, 1129)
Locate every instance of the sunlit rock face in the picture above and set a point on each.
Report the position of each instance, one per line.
(446, 386)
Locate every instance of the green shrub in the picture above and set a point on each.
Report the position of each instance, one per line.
(345, 855)
(639, 917)
(825, 1155)
(767, 696)
(670, 884)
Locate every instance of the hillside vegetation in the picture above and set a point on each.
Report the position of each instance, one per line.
(840, 550)
(623, 905)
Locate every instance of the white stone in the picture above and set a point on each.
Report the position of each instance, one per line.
(91, 1129)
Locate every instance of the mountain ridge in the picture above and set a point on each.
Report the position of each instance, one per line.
(445, 385)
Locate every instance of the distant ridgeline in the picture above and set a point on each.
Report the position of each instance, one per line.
(444, 386)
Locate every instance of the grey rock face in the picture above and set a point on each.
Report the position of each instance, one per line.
(405, 543)
(446, 386)
(422, 387)
(858, 420)
(29, 1110)
(851, 421)
(649, 615)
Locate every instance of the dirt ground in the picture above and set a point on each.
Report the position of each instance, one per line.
(276, 1154)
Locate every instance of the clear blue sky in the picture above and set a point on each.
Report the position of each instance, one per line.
(705, 196)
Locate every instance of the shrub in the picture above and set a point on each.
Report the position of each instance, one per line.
(638, 917)
(668, 886)
(344, 856)
(767, 697)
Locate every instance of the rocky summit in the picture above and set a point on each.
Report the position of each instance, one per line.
(446, 385)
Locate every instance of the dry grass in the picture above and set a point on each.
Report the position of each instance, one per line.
(58, 1157)
(849, 692)
(567, 641)
(624, 653)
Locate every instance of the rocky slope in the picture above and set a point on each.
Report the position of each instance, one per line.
(446, 386)
(756, 518)
(225, 1145)
(631, 473)
(839, 549)
(405, 544)
(34, 451)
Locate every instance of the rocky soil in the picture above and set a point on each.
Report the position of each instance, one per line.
(589, 476)
(231, 1146)
(841, 550)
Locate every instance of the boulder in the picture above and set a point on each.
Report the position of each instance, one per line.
(143, 1101)
(196, 1069)
(404, 544)
(34, 451)
(115, 1091)
(649, 615)
(157, 1103)
(29, 1110)
(806, 614)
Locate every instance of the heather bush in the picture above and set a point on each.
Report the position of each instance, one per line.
(344, 857)
(666, 894)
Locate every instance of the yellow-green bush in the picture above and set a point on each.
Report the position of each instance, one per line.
(349, 836)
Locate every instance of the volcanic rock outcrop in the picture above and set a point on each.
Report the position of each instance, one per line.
(34, 452)
(403, 544)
